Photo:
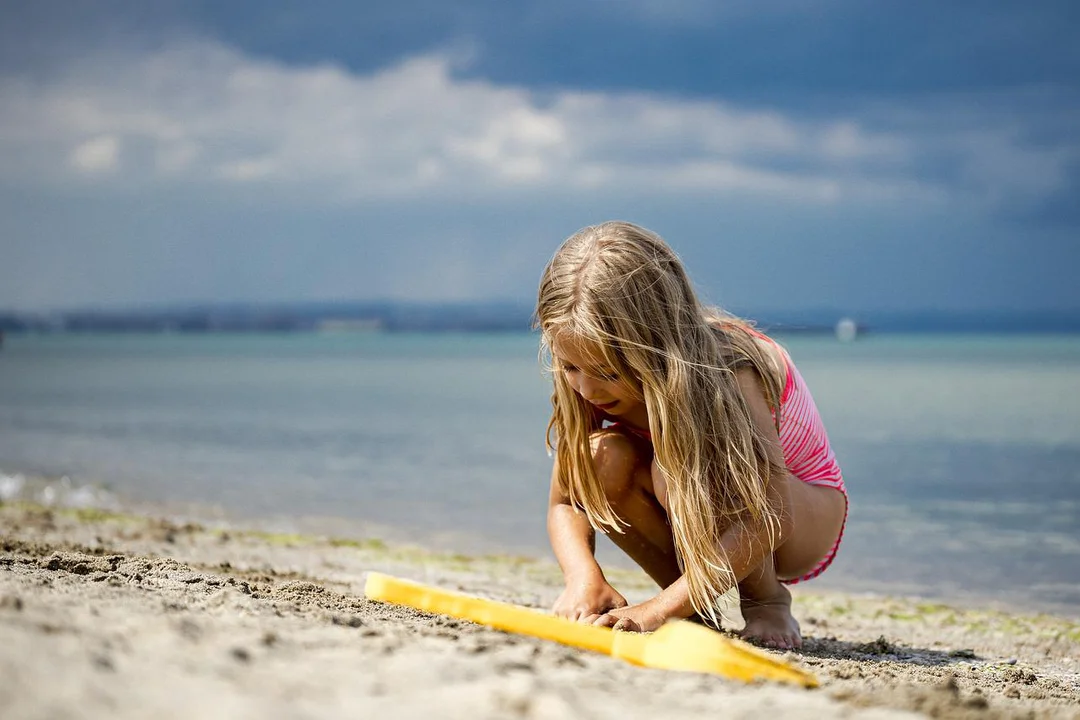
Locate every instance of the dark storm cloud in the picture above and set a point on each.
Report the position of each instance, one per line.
(899, 153)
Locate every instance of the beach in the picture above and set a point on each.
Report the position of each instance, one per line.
(122, 615)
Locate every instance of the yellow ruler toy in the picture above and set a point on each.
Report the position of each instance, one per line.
(677, 645)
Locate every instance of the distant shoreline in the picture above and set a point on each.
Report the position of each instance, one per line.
(347, 329)
(489, 317)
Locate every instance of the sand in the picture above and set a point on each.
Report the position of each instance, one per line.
(117, 616)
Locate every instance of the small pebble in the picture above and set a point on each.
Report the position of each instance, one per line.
(189, 629)
(103, 662)
(11, 601)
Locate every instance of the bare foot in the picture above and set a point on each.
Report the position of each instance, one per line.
(769, 621)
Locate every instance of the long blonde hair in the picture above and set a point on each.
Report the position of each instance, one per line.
(623, 290)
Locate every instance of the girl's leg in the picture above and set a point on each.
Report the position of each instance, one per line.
(766, 609)
(816, 515)
(623, 466)
(638, 494)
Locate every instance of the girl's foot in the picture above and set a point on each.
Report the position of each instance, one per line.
(769, 622)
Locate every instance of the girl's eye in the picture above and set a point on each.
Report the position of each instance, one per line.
(607, 377)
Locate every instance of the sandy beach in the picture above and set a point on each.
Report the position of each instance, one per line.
(109, 615)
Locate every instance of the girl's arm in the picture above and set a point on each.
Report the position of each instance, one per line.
(572, 537)
(573, 540)
(760, 544)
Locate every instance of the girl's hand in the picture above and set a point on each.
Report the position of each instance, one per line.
(643, 617)
(582, 601)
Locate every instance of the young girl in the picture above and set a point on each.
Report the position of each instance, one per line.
(685, 435)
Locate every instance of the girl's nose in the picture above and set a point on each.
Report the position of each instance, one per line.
(587, 386)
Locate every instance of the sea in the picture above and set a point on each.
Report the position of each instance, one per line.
(961, 452)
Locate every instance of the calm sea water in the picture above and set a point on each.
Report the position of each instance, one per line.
(962, 454)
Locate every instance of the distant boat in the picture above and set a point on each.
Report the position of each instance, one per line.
(846, 330)
(333, 325)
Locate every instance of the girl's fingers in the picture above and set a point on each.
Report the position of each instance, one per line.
(605, 620)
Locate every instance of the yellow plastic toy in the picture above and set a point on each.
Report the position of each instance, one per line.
(677, 645)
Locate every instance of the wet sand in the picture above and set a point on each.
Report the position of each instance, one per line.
(120, 616)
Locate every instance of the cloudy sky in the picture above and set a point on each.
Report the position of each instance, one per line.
(863, 156)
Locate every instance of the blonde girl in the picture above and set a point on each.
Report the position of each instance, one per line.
(686, 436)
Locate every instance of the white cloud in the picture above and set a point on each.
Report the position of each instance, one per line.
(204, 113)
(98, 155)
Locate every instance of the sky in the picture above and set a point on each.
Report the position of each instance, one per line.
(866, 157)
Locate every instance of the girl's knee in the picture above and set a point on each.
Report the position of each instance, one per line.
(615, 460)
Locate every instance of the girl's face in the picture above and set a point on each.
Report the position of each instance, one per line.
(582, 364)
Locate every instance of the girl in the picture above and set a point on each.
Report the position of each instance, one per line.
(684, 434)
